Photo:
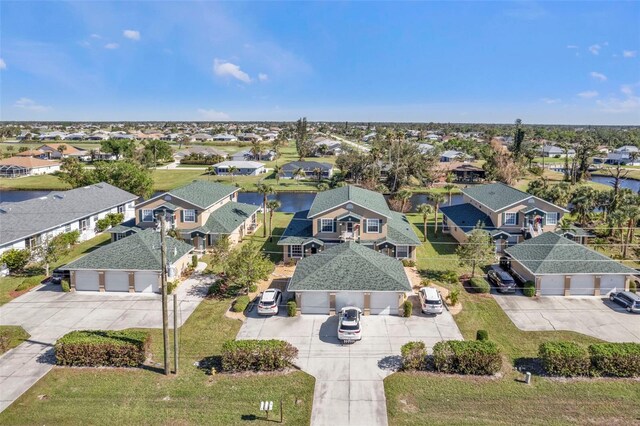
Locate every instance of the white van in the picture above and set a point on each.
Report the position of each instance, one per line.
(430, 300)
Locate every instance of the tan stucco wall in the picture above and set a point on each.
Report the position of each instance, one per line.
(456, 232)
(201, 217)
(340, 211)
(520, 270)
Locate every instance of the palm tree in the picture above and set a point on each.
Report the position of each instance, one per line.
(272, 205)
(632, 214)
(449, 188)
(436, 199)
(275, 145)
(318, 172)
(256, 150)
(404, 195)
(265, 190)
(61, 149)
(232, 170)
(277, 171)
(425, 209)
(299, 174)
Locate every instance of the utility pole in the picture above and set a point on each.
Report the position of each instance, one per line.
(175, 332)
(163, 282)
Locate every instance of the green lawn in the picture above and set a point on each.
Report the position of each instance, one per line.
(144, 396)
(34, 183)
(14, 335)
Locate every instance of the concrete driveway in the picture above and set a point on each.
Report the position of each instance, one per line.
(47, 313)
(349, 388)
(593, 316)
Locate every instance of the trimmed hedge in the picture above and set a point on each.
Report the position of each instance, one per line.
(240, 304)
(567, 359)
(407, 308)
(482, 335)
(292, 308)
(257, 355)
(98, 348)
(478, 357)
(480, 285)
(529, 289)
(615, 359)
(414, 356)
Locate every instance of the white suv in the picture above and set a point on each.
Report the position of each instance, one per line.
(430, 300)
(349, 328)
(269, 302)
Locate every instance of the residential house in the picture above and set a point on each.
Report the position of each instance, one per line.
(556, 151)
(52, 136)
(463, 172)
(627, 154)
(324, 146)
(52, 151)
(243, 168)
(452, 155)
(75, 136)
(369, 136)
(25, 224)
(510, 215)
(425, 148)
(309, 168)
(247, 155)
(201, 137)
(349, 213)
(224, 137)
(27, 166)
(249, 137)
(205, 151)
(270, 136)
(201, 212)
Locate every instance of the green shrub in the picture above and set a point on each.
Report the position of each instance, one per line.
(482, 335)
(407, 308)
(615, 359)
(240, 304)
(171, 286)
(15, 259)
(194, 261)
(633, 287)
(478, 357)
(253, 288)
(454, 296)
(97, 348)
(414, 356)
(257, 355)
(408, 263)
(450, 277)
(480, 285)
(292, 308)
(529, 289)
(65, 286)
(567, 359)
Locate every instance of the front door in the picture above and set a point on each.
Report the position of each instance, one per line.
(349, 226)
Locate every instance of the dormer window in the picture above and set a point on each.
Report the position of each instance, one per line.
(189, 216)
(373, 226)
(326, 225)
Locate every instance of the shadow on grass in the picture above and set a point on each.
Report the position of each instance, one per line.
(206, 364)
(530, 365)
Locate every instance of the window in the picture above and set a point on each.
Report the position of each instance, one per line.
(373, 226)
(147, 215)
(295, 251)
(326, 225)
(510, 218)
(189, 216)
(33, 242)
(84, 224)
(552, 218)
(402, 252)
(119, 236)
(67, 228)
(121, 208)
(95, 218)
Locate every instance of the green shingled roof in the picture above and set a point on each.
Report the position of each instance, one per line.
(202, 193)
(349, 267)
(370, 200)
(400, 231)
(551, 253)
(229, 217)
(140, 252)
(496, 196)
(467, 216)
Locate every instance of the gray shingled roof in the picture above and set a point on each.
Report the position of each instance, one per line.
(551, 253)
(202, 193)
(139, 252)
(349, 266)
(32, 217)
(496, 196)
(400, 231)
(370, 200)
(466, 216)
(307, 166)
(298, 231)
(229, 217)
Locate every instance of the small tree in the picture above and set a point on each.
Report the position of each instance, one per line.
(265, 190)
(272, 205)
(425, 209)
(51, 250)
(437, 199)
(478, 250)
(15, 259)
(277, 172)
(247, 265)
(232, 171)
(220, 251)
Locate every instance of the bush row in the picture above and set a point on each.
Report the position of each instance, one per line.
(240, 304)
(529, 289)
(95, 348)
(479, 357)
(414, 356)
(257, 355)
(569, 359)
(480, 285)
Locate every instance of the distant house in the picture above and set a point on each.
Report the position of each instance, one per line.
(270, 136)
(331, 147)
(249, 137)
(52, 136)
(467, 173)
(51, 151)
(369, 136)
(247, 155)
(425, 148)
(452, 155)
(75, 136)
(98, 136)
(205, 151)
(556, 151)
(244, 168)
(224, 137)
(27, 166)
(627, 154)
(201, 137)
(308, 167)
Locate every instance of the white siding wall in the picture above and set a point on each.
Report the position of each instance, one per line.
(384, 303)
(147, 282)
(610, 283)
(116, 281)
(314, 302)
(582, 285)
(87, 281)
(552, 285)
(349, 298)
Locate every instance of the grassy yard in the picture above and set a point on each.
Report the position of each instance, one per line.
(12, 336)
(144, 396)
(34, 183)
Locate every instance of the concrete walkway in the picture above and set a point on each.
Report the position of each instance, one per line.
(349, 387)
(47, 313)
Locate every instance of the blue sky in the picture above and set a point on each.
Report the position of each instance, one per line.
(543, 62)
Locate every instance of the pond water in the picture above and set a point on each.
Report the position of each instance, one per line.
(632, 184)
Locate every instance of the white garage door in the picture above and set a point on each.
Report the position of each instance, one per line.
(87, 281)
(116, 281)
(384, 303)
(349, 298)
(552, 285)
(315, 303)
(582, 285)
(147, 282)
(609, 283)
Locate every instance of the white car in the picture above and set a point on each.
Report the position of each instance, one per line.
(430, 300)
(349, 327)
(269, 302)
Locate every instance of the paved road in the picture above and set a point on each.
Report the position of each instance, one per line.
(349, 388)
(353, 144)
(47, 313)
(593, 316)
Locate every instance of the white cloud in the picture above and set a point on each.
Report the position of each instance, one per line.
(263, 77)
(98, 36)
(551, 100)
(572, 46)
(595, 48)
(588, 94)
(131, 34)
(213, 115)
(227, 69)
(628, 103)
(111, 46)
(26, 103)
(3, 64)
(629, 53)
(598, 76)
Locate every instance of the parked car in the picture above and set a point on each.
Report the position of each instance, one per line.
(627, 299)
(430, 300)
(269, 302)
(501, 279)
(349, 329)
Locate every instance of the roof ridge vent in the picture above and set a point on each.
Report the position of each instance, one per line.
(58, 196)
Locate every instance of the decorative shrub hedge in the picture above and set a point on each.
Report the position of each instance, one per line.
(529, 289)
(407, 308)
(615, 359)
(292, 308)
(240, 304)
(567, 359)
(478, 357)
(257, 355)
(480, 285)
(414, 356)
(97, 348)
